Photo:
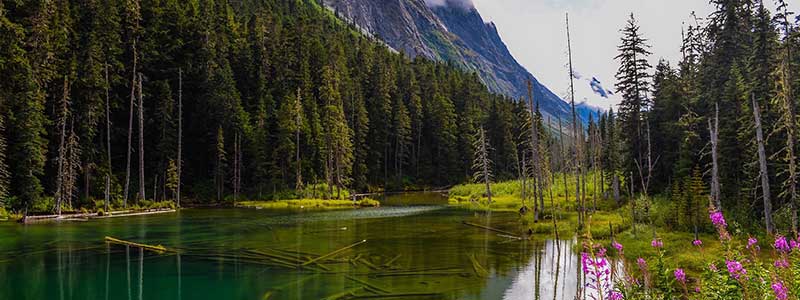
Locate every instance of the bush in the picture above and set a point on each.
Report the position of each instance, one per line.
(3, 213)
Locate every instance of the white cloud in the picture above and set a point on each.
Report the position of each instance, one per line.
(534, 31)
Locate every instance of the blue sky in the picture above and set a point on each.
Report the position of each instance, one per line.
(534, 31)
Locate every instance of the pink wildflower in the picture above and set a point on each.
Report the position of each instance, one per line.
(780, 291)
(735, 269)
(781, 244)
(657, 243)
(680, 276)
(718, 219)
(697, 242)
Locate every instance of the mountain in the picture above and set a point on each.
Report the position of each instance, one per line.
(452, 31)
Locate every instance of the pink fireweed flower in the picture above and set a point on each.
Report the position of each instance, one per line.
(712, 267)
(614, 296)
(735, 269)
(697, 243)
(642, 263)
(780, 290)
(680, 276)
(751, 241)
(781, 244)
(718, 219)
(657, 243)
(602, 252)
(617, 246)
(794, 244)
(781, 263)
(697, 289)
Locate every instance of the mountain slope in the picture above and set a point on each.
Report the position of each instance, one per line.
(452, 31)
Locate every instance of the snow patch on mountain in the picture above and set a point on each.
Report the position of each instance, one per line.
(465, 4)
(592, 92)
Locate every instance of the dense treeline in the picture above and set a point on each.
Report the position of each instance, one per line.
(720, 126)
(265, 96)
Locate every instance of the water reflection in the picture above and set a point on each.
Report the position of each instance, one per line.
(438, 253)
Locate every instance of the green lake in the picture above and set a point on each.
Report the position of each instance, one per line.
(416, 248)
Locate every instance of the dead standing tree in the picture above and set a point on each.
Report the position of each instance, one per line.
(482, 163)
(578, 166)
(714, 135)
(142, 195)
(536, 166)
(180, 137)
(762, 163)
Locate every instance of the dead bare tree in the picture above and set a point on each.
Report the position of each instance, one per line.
(62, 149)
(714, 134)
(108, 144)
(645, 179)
(180, 136)
(298, 122)
(482, 163)
(142, 195)
(577, 157)
(762, 162)
(130, 131)
(535, 158)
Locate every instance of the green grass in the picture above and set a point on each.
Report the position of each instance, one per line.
(678, 246)
(309, 204)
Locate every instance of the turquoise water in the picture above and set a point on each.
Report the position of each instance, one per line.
(410, 250)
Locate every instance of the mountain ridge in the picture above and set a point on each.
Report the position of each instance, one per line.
(451, 32)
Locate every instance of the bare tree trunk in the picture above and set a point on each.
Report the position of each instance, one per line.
(108, 144)
(535, 157)
(180, 136)
(715, 189)
(762, 162)
(486, 167)
(130, 131)
(298, 124)
(62, 150)
(141, 142)
(564, 161)
(633, 204)
(615, 187)
(577, 158)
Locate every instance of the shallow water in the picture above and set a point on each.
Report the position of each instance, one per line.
(419, 248)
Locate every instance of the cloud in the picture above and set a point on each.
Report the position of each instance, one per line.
(466, 4)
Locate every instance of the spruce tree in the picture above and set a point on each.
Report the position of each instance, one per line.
(633, 86)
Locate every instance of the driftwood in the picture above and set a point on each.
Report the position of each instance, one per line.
(333, 253)
(345, 294)
(509, 234)
(376, 289)
(158, 248)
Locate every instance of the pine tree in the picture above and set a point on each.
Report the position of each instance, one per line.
(785, 98)
(633, 86)
(23, 101)
(401, 127)
(338, 144)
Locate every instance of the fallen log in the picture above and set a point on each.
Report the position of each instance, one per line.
(509, 234)
(333, 253)
(375, 288)
(158, 248)
(345, 294)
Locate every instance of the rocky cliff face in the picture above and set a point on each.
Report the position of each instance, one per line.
(450, 30)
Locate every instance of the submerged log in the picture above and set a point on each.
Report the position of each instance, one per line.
(376, 289)
(158, 248)
(333, 253)
(491, 229)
